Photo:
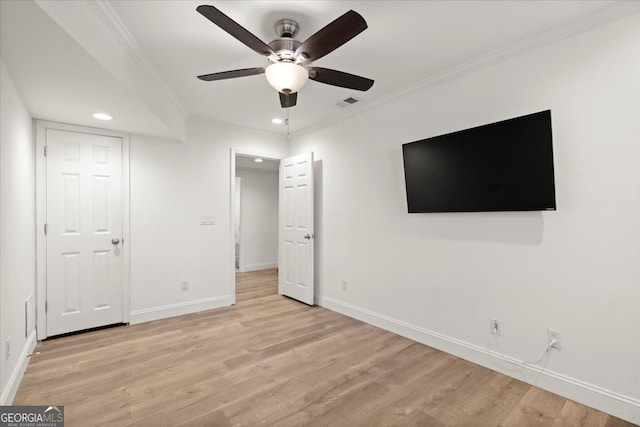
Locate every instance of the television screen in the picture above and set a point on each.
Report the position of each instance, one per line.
(502, 166)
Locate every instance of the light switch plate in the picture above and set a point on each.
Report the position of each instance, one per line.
(207, 220)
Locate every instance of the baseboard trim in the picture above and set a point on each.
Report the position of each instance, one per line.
(9, 393)
(172, 310)
(256, 267)
(616, 404)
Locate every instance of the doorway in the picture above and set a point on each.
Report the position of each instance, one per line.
(82, 214)
(294, 235)
(255, 208)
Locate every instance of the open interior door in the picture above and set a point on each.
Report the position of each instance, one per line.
(295, 276)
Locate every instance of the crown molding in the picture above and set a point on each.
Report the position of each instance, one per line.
(108, 16)
(615, 12)
(207, 121)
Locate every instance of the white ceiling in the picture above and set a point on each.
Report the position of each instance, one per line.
(138, 60)
(248, 162)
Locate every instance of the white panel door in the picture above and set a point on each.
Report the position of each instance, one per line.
(295, 275)
(84, 231)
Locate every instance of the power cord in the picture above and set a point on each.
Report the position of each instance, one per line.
(546, 352)
(491, 353)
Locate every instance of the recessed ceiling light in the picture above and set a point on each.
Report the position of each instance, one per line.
(276, 121)
(102, 116)
(257, 160)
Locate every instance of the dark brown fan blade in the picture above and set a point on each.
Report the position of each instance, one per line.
(235, 29)
(288, 99)
(231, 74)
(339, 78)
(331, 37)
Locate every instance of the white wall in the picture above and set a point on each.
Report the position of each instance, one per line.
(17, 233)
(259, 219)
(440, 277)
(173, 184)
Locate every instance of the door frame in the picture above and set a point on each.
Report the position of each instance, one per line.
(232, 192)
(41, 194)
(242, 177)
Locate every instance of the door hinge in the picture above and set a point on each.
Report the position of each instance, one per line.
(45, 228)
(45, 151)
(46, 306)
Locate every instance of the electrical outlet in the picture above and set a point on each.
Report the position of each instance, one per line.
(553, 335)
(495, 327)
(184, 285)
(344, 284)
(7, 349)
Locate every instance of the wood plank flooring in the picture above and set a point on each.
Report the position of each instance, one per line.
(270, 360)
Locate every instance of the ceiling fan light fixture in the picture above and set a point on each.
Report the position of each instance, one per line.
(286, 77)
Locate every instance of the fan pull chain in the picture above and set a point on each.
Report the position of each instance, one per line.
(286, 122)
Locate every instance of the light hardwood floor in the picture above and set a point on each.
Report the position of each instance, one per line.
(270, 360)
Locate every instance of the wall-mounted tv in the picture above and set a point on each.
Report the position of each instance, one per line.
(502, 166)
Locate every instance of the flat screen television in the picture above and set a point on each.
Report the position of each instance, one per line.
(502, 166)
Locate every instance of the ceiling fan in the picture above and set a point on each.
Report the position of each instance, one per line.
(290, 61)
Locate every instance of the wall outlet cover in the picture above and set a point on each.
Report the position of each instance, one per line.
(495, 327)
(554, 334)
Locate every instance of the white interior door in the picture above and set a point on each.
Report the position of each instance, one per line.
(295, 276)
(84, 287)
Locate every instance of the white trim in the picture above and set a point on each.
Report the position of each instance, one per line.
(41, 253)
(207, 121)
(172, 310)
(611, 14)
(9, 393)
(613, 403)
(243, 181)
(41, 242)
(104, 11)
(126, 229)
(263, 266)
(232, 240)
(232, 192)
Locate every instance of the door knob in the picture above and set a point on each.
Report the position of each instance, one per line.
(115, 241)
(309, 236)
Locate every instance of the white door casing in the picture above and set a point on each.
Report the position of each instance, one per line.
(239, 225)
(81, 260)
(296, 240)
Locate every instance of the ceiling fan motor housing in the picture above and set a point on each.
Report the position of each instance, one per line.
(284, 48)
(285, 45)
(286, 28)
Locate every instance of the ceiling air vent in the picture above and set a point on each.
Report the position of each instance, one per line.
(348, 101)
